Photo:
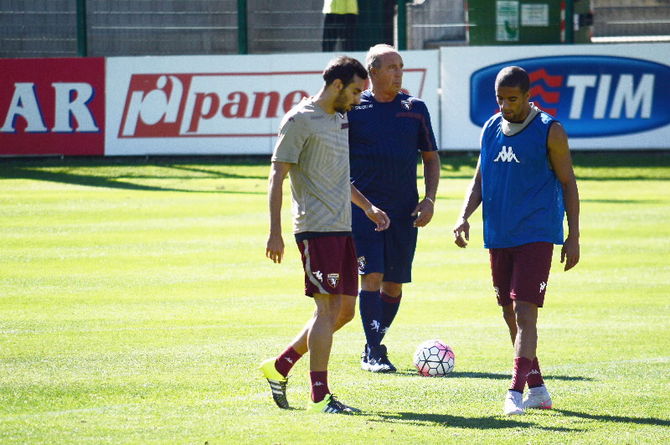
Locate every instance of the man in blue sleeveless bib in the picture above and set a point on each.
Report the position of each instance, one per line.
(387, 133)
(525, 183)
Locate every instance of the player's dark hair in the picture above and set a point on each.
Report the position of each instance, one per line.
(343, 68)
(513, 76)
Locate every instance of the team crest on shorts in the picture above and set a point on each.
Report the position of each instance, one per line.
(333, 279)
(361, 263)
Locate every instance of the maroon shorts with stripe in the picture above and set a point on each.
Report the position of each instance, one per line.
(521, 272)
(330, 265)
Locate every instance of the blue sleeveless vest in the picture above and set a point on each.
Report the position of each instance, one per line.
(522, 200)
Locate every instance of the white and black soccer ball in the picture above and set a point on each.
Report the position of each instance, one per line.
(433, 358)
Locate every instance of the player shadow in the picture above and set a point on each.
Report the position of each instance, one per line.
(447, 420)
(488, 375)
(621, 419)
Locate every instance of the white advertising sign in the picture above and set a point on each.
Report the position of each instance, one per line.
(224, 104)
(535, 14)
(605, 96)
(507, 21)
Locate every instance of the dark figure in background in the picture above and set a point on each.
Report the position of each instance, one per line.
(339, 23)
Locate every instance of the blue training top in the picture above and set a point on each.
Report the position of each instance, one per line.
(384, 141)
(522, 200)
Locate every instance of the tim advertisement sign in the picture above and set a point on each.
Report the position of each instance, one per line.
(592, 96)
(611, 97)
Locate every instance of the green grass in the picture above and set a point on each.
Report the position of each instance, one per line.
(136, 303)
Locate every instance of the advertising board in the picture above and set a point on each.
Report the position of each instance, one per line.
(224, 104)
(52, 106)
(606, 96)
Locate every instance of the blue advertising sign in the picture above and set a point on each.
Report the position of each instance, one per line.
(592, 96)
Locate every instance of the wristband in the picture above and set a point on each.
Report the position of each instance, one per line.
(431, 201)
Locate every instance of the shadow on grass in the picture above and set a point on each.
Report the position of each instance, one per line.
(620, 419)
(446, 420)
(115, 182)
(216, 174)
(487, 375)
(624, 201)
(459, 165)
(455, 165)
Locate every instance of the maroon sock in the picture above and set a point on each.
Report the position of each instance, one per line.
(522, 367)
(319, 385)
(535, 375)
(286, 360)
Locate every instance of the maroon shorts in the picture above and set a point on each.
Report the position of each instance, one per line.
(330, 265)
(521, 272)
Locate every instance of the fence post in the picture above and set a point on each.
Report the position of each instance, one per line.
(82, 44)
(402, 24)
(242, 42)
(569, 21)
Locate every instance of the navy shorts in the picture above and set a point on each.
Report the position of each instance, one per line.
(521, 272)
(389, 252)
(330, 265)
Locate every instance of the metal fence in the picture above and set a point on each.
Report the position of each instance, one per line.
(46, 28)
(631, 20)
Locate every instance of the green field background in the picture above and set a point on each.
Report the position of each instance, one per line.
(136, 303)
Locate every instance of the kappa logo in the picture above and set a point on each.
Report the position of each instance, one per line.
(543, 286)
(319, 275)
(406, 104)
(506, 155)
(333, 279)
(375, 325)
(496, 289)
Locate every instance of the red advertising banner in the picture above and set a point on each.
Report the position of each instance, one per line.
(52, 107)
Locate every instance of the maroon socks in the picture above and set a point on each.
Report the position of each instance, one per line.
(522, 367)
(286, 360)
(319, 385)
(535, 375)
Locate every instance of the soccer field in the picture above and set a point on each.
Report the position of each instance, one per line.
(136, 303)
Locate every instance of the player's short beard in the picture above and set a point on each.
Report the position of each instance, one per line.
(339, 105)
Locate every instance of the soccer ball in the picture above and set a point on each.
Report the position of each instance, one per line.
(434, 359)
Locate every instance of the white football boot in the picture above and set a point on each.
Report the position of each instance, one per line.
(538, 397)
(513, 403)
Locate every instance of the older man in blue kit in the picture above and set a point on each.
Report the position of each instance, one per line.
(388, 131)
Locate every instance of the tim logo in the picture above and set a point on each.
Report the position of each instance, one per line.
(506, 155)
(592, 96)
(182, 105)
